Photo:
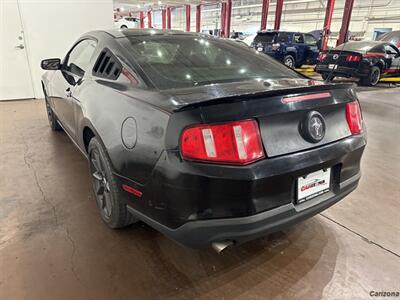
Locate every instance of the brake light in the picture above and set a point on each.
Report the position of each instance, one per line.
(322, 56)
(353, 58)
(236, 142)
(354, 117)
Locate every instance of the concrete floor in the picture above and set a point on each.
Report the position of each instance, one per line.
(53, 244)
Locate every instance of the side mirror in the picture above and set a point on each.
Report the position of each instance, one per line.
(51, 64)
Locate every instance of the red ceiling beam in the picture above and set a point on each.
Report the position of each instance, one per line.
(198, 17)
(187, 12)
(141, 18)
(149, 23)
(164, 18)
(348, 9)
(228, 15)
(278, 14)
(264, 14)
(169, 21)
(326, 31)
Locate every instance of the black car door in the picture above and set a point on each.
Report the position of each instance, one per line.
(393, 55)
(68, 80)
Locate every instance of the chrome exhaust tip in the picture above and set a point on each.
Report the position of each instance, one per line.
(221, 246)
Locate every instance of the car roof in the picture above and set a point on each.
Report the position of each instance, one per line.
(121, 33)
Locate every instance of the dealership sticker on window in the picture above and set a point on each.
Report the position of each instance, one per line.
(313, 185)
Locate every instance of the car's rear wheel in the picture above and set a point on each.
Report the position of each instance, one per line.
(107, 194)
(373, 77)
(289, 61)
(53, 122)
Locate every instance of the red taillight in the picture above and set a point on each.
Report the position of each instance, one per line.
(353, 58)
(236, 142)
(322, 56)
(354, 117)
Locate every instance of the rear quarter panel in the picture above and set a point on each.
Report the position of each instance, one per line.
(104, 109)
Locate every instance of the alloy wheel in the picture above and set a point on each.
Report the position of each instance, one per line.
(100, 183)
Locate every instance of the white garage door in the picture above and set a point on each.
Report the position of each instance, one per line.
(15, 77)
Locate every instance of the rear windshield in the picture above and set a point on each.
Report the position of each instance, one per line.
(189, 60)
(265, 37)
(356, 46)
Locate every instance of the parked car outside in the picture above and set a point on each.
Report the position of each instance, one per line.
(203, 139)
(293, 49)
(126, 22)
(367, 60)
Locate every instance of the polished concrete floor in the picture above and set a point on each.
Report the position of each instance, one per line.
(53, 244)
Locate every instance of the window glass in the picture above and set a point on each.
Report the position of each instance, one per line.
(378, 49)
(283, 37)
(357, 46)
(310, 40)
(182, 61)
(390, 50)
(80, 56)
(265, 37)
(298, 38)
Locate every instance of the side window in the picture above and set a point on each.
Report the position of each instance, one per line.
(310, 40)
(283, 37)
(389, 49)
(298, 38)
(79, 58)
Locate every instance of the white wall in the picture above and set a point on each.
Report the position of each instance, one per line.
(51, 27)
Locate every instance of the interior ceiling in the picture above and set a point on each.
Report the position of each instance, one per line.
(156, 4)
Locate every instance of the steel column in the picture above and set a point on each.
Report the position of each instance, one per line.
(169, 21)
(278, 14)
(223, 15)
(164, 18)
(264, 14)
(198, 17)
(348, 9)
(187, 11)
(141, 17)
(149, 23)
(228, 15)
(326, 31)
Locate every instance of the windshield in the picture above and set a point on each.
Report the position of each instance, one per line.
(188, 60)
(356, 46)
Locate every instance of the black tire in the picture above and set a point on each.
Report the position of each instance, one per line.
(124, 27)
(107, 194)
(373, 77)
(289, 61)
(53, 122)
(326, 75)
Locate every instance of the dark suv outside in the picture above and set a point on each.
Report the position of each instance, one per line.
(293, 49)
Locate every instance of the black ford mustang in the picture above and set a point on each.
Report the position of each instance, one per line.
(203, 139)
(367, 60)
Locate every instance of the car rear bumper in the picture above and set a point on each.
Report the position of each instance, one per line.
(197, 234)
(342, 71)
(196, 204)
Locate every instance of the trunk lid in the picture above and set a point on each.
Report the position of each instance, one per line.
(280, 112)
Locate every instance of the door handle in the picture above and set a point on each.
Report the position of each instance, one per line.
(20, 47)
(68, 92)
